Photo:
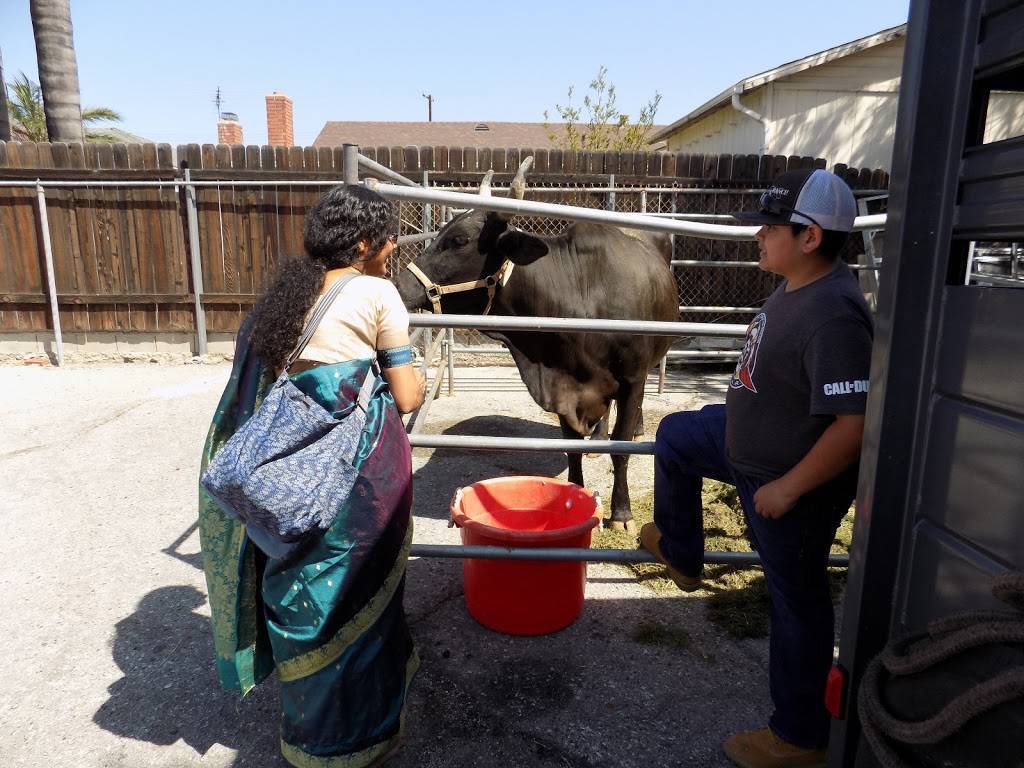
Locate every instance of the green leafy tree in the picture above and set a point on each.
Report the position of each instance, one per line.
(29, 118)
(598, 124)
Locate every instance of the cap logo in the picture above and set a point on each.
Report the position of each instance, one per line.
(777, 191)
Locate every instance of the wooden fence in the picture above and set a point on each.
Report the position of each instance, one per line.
(121, 254)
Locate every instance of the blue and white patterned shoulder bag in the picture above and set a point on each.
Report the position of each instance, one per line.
(288, 469)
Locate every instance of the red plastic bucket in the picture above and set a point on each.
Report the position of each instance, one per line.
(525, 597)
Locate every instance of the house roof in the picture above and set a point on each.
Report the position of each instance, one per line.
(480, 134)
(784, 70)
(435, 134)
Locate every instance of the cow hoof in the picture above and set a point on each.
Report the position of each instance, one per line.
(618, 525)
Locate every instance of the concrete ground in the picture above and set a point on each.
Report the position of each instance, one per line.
(110, 657)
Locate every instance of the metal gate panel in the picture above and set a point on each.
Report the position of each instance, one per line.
(941, 494)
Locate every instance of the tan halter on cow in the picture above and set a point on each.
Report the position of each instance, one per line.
(491, 282)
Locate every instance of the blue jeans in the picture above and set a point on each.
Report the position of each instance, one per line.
(794, 550)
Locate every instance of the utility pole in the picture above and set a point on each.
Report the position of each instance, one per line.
(217, 100)
(430, 106)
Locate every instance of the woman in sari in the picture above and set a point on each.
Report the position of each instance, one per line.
(327, 616)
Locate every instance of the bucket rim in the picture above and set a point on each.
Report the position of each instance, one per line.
(461, 520)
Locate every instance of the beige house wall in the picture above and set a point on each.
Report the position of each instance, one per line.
(844, 111)
(724, 131)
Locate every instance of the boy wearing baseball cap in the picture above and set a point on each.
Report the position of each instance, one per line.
(788, 437)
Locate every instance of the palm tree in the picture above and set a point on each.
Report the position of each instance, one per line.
(58, 69)
(29, 118)
(5, 121)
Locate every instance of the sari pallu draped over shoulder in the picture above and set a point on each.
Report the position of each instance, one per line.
(328, 617)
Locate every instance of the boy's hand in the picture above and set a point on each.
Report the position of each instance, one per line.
(774, 499)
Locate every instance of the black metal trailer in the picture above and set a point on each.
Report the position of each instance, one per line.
(940, 507)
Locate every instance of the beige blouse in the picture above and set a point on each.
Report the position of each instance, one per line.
(367, 317)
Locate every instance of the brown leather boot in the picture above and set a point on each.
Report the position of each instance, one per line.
(650, 537)
(763, 749)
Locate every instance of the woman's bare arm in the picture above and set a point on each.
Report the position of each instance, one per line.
(408, 386)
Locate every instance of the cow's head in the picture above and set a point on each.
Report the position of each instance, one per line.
(472, 248)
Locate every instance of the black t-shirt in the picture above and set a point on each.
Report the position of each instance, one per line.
(805, 360)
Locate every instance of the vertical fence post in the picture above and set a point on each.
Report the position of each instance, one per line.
(427, 221)
(661, 373)
(350, 163)
(611, 191)
(451, 362)
(643, 201)
(51, 281)
(196, 261)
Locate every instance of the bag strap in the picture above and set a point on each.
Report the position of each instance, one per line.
(365, 391)
(319, 311)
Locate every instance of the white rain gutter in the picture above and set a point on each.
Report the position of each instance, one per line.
(740, 107)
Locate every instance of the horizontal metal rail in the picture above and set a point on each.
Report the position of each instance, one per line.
(578, 213)
(584, 325)
(722, 310)
(502, 189)
(417, 238)
(555, 445)
(482, 552)
(382, 170)
(488, 349)
(749, 264)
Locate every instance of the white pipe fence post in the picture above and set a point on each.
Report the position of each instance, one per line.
(51, 281)
(196, 262)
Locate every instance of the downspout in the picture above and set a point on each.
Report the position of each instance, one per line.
(739, 107)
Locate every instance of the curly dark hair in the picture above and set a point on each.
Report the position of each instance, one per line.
(344, 217)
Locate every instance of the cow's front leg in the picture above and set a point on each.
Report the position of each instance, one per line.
(628, 407)
(575, 459)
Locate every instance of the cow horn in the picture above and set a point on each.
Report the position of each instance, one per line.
(518, 186)
(485, 184)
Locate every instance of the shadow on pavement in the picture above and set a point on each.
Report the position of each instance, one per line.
(170, 689)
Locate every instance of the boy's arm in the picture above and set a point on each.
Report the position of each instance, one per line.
(836, 449)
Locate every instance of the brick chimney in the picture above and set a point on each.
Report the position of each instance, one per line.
(279, 120)
(229, 130)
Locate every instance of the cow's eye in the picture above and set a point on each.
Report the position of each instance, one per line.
(458, 241)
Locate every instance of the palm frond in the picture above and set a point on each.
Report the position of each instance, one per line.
(25, 105)
(99, 114)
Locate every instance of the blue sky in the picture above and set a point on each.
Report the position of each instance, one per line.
(159, 63)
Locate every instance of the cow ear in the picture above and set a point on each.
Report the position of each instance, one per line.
(520, 248)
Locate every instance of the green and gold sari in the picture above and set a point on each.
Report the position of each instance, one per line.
(329, 616)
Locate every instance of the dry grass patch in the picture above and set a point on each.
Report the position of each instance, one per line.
(737, 598)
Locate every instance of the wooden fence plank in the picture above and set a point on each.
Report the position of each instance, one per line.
(64, 200)
(471, 160)
(455, 159)
(440, 159)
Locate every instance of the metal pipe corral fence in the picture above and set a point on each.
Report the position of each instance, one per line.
(483, 552)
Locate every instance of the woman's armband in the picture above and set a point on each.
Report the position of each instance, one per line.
(395, 356)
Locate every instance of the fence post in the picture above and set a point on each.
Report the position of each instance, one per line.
(451, 362)
(427, 220)
(350, 163)
(51, 282)
(197, 262)
(643, 201)
(611, 191)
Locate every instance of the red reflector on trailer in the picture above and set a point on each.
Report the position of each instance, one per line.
(835, 690)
